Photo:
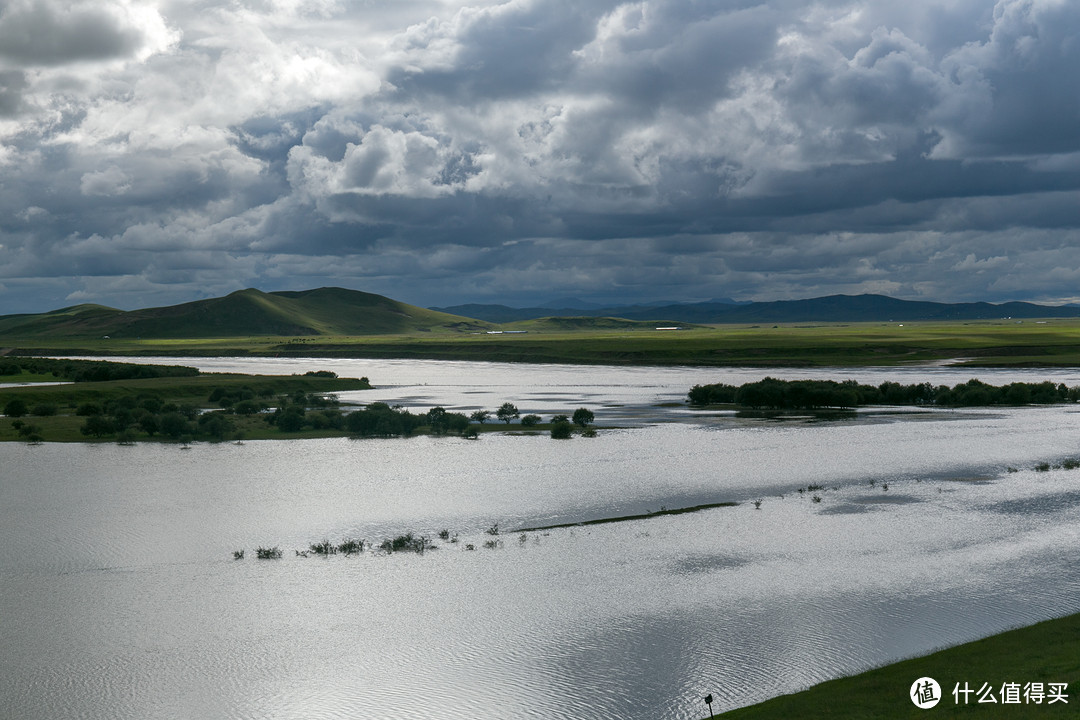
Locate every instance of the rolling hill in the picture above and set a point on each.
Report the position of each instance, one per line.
(331, 311)
(324, 311)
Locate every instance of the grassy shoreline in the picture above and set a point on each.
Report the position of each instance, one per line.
(1046, 652)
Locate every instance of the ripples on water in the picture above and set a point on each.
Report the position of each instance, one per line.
(121, 599)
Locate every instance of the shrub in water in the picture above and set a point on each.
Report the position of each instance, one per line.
(561, 430)
(405, 543)
(350, 547)
(323, 548)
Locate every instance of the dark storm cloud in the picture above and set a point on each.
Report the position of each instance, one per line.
(451, 151)
(12, 83)
(43, 32)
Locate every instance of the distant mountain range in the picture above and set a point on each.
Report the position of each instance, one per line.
(833, 308)
(337, 311)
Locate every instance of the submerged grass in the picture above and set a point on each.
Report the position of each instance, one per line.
(1043, 653)
(624, 518)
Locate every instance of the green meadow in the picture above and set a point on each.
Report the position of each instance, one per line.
(594, 341)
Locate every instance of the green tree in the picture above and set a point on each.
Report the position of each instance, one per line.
(15, 408)
(583, 416)
(480, 416)
(437, 419)
(215, 425)
(98, 425)
(248, 407)
(507, 412)
(27, 430)
(457, 422)
(530, 420)
(173, 424)
(292, 420)
(149, 424)
(88, 408)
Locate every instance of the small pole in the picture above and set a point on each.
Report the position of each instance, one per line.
(708, 701)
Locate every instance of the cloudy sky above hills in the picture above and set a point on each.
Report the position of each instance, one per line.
(440, 152)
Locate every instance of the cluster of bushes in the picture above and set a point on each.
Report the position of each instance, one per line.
(10, 368)
(408, 543)
(17, 408)
(147, 414)
(562, 426)
(30, 433)
(380, 420)
(771, 393)
(128, 414)
(377, 419)
(92, 370)
(243, 400)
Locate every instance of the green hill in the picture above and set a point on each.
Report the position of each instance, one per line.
(75, 321)
(325, 311)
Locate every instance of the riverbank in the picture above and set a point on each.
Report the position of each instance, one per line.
(1047, 653)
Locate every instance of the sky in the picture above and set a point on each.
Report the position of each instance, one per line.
(443, 152)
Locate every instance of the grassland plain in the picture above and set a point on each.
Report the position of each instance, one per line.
(1048, 652)
(1053, 343)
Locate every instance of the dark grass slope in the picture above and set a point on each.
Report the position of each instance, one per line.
(1048, 652)
(74, 320)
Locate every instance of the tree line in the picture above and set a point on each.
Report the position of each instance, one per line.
(773, 394)
(289, 413)
(91, 370)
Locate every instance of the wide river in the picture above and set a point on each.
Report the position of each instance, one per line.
(120, 597)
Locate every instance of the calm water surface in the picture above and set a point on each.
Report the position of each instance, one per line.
(121, 599)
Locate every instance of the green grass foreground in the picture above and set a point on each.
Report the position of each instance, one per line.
(1055, 343)
(1048, 652)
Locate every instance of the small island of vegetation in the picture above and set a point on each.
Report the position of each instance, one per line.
(773, 394)
(62, 400)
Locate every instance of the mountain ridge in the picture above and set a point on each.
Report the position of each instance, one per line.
(829, 308)
(335, 311)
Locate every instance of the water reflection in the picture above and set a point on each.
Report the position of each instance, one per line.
(121, 598)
